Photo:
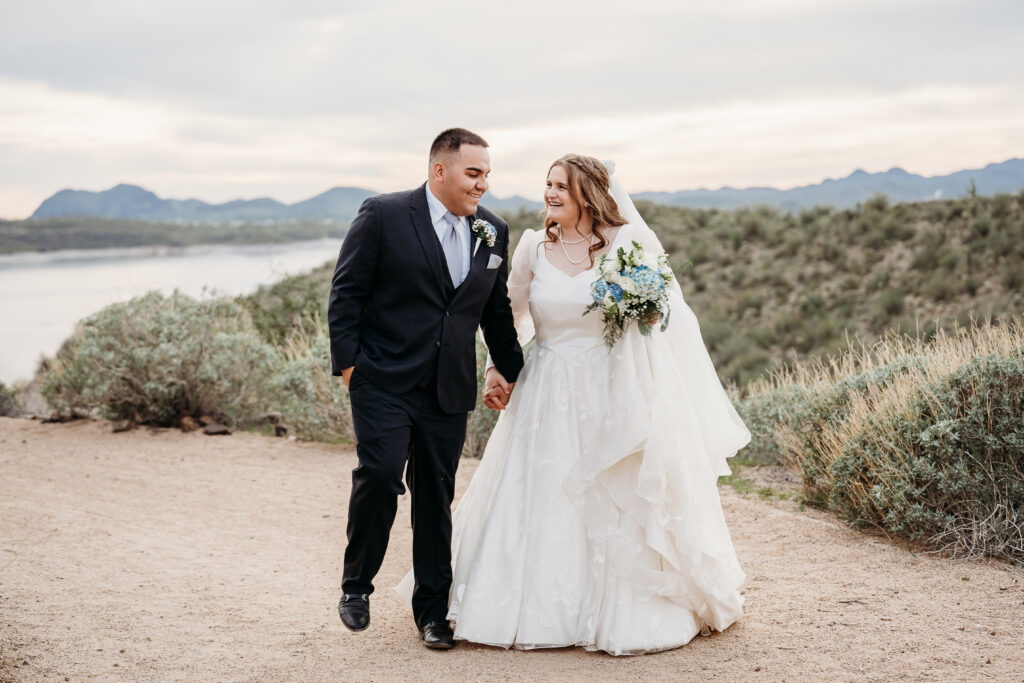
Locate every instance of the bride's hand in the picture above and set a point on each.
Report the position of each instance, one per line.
(496, 399)
(496, 389)
(653, 319)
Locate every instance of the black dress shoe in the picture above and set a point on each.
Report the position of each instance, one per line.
(355, 611)
(437, 635)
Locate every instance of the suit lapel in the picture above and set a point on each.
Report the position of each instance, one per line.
(420, 215)
(478, 261)
(477, 255)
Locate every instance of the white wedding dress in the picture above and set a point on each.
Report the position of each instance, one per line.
(594, 517)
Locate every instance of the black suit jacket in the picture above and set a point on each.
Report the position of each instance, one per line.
(395, 315)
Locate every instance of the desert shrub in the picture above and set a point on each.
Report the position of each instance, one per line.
(890, 303)
(963, 470)
(1012, 276)
(482, 419)
(923, 439)
(808, 422)
(9, 404)
(317, 404)
(762, 411)
(296, 304)
(938, 287)
(310, 399)
(156, 358)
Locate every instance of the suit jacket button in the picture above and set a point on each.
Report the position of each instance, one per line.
(446, 314)
(437, 344)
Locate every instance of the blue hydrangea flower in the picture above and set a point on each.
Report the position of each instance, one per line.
(598, 290)
(649, 283)
(616, 291)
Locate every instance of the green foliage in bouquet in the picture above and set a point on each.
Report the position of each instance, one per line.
(631, 286)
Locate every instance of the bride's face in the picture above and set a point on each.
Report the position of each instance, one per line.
(562, 209)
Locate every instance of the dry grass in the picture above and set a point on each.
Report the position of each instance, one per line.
(921, 438)
(310, 397)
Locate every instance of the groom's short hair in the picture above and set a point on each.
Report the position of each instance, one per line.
(452, 139)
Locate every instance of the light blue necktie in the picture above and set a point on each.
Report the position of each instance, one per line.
(452, 248)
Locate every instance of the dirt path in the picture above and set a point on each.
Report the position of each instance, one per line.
(169, 556)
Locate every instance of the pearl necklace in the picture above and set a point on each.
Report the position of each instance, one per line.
(589, 239)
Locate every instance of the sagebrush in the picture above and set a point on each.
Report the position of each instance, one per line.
(156, 358)
(924, 439)
(9, 404)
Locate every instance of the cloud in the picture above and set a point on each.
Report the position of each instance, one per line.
(36, 116)
(519, 61)
(227, 99)
(784, 141)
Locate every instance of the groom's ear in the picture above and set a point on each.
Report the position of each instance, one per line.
(438, 171)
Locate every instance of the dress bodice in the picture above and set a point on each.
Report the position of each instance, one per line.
(557, 305)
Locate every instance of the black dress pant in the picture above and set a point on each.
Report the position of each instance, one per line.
(394, 433)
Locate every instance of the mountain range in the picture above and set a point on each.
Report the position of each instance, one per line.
(342, 203)
(137, 203)
(842, 193)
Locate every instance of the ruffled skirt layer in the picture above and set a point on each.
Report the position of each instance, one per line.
(594, 517)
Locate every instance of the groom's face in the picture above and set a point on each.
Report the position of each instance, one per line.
(461, 180)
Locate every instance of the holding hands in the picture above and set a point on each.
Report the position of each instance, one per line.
(496, 389)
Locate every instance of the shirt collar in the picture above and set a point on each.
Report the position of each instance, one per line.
(437, 209)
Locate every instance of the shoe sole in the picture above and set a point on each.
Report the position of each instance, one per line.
(354, 630)
(437, 646)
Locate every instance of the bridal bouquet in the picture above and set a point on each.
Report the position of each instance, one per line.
(632, 286)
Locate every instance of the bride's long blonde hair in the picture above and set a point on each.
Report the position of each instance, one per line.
(588, 186)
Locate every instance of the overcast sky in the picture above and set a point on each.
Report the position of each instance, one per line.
(220, 100)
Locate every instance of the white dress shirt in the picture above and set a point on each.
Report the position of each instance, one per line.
(437, 212)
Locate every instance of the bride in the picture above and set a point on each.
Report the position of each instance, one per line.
(594, 518)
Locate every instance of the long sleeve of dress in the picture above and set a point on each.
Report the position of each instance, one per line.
(519, 278)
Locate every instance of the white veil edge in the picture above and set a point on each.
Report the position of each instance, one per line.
(722, 430)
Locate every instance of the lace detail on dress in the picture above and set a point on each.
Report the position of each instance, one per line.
(594, 517)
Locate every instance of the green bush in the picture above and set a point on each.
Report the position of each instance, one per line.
(890, 303)
(309, 398)
(154, 359)
(762, 412)
(482, 419)
(294, 305)
(935, 252)
(923, 439)
(960, 483)
(9, 404)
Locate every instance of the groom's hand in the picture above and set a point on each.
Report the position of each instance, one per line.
(496, 389)
(346, 374)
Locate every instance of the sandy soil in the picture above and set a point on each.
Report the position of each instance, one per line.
(157, 555)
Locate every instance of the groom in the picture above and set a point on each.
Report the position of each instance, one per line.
(418, 273)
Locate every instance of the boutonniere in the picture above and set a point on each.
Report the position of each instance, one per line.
(483, 232)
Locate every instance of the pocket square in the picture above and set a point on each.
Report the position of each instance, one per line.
(493, 262)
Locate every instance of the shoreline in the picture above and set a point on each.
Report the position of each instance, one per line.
(48, 293)
(26, 259)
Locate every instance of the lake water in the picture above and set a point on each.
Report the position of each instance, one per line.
(42, 295)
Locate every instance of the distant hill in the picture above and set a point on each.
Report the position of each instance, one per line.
(897, 184)
(136, 203)
(342, 203)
